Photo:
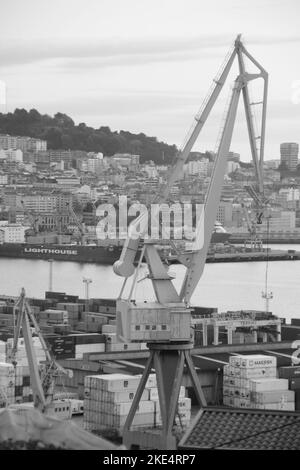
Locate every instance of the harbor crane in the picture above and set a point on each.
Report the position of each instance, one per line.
(42, 384)
(165, 324)
(34, 221)
(80, 225)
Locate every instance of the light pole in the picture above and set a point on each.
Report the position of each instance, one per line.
(87, 282)
(50, 275)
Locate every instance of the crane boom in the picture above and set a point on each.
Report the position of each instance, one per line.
(125, 265)
(200, 119)
(196, 260)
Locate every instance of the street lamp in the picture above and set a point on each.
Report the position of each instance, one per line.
(87, 282)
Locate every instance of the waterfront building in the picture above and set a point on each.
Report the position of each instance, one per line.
(289, 155)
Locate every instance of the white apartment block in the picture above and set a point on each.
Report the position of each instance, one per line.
(11, 155)
(232, 167)
(22, 143)
(12, 233)
(40, 203)
(197, 167)
(224, 213)
(3, 180)
(68, 182)
(280, 221)
(151, 171)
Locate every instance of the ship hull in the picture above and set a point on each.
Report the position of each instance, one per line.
(107, 254)
(220, 237)
(75, 253)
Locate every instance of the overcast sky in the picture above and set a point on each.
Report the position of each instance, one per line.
(146, 65)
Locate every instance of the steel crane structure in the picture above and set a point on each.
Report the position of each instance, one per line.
(42, 384)
(166, 323)
(34, 221)
(78, 222)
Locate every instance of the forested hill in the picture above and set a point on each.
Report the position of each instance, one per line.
(61, 132)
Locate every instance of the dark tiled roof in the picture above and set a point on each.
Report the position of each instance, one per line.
(226, 428)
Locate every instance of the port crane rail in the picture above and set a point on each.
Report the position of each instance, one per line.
(166, 324)
(42, 385)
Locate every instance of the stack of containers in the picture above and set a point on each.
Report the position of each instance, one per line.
(108, 399)
(53, 316)
(250, 381)
(183, 415)
(62, 347)
(272, 394)
(7, 384)
(92, 322)
(23, 391)
(74, 310)
(88, 343)
(292, 374)
(105, 306)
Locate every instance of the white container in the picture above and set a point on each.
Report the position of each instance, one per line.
(151, 381)
(226, 401)
(273, 397)
(119, 397)
(234, 382)
(289, 406)
(241, 403)
(184, 404)
(114, 382)
(244, 393)
(258, 372)
(106, 329)
(255, 361)
(90, 347)
(232, 371)
(226, 390)
(182, 417)
(268, 385)
(154, 393)
(6, 369)
(124, 408)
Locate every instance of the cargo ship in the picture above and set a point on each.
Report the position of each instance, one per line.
(106, 253)
(220, 235)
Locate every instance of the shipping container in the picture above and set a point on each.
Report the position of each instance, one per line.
(273, 396)
(289, 372)
(294, 383)
(253, 361)
(269, 384)
(112, 382)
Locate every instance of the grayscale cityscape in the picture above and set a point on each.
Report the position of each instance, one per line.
(150, 227)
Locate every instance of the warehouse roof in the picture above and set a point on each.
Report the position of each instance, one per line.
(224, 428)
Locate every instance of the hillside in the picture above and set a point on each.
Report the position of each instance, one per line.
(61, 132)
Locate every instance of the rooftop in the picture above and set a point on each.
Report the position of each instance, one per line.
(224, 428)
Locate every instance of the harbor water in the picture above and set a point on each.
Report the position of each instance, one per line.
(227, 286)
